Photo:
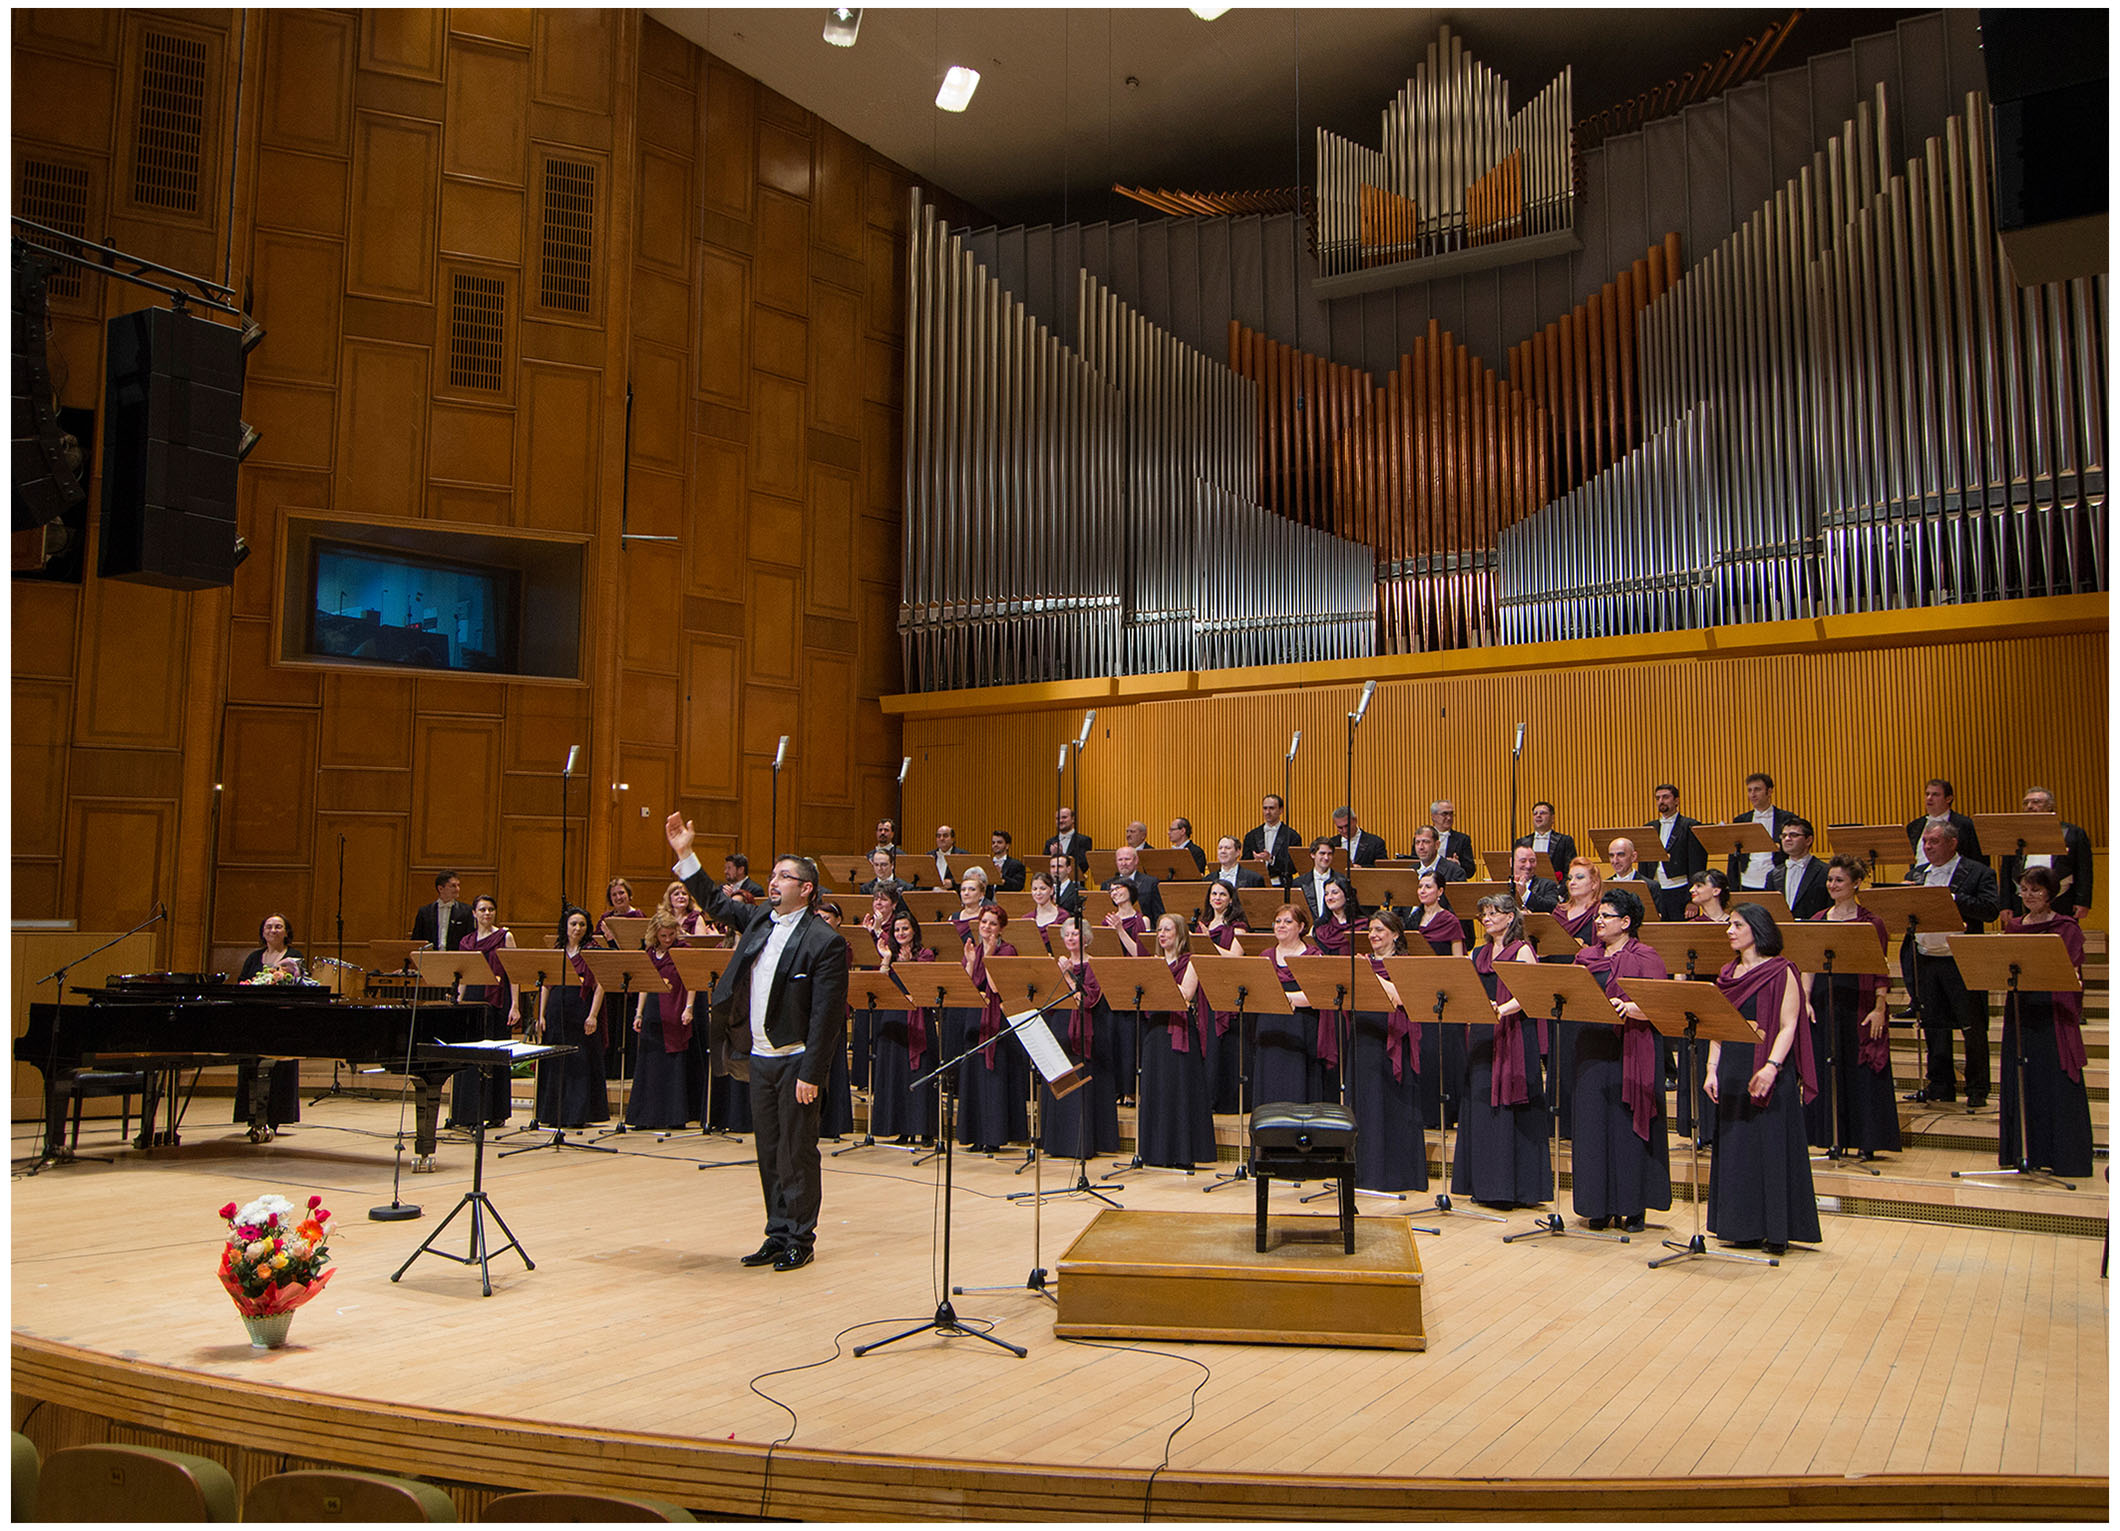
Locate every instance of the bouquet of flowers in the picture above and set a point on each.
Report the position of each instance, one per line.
(286, 972)
(274, 1259)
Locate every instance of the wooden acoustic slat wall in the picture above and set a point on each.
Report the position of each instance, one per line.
(1849, 727)
(469, 235)
(1582, 370)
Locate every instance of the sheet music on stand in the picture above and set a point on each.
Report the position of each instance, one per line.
(1046, 1054)
(516, 1052)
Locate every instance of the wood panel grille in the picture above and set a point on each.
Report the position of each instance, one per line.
(172, 108)
(56, 196)
(564, 273)
(477, 331)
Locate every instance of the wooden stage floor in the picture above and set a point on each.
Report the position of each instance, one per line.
(1897, 1352)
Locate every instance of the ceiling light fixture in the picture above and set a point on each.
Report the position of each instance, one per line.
(957, 88)
(1207, 12)
(842, 24)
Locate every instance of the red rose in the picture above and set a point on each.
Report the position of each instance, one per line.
(228, 1212)
(315, 1202)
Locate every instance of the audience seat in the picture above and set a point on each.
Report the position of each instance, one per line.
(134, 1483)
(317, 1495)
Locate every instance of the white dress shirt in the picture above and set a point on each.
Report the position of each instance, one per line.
(762, 985)
(1665, 877)
(1759, 863)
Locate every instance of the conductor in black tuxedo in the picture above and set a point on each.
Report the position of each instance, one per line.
(1365, 847)
(446, 921)
(779, 1020)
(1801, 878)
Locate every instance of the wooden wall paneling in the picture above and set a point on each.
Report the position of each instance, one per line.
(836, 368)
(655, 504)
(252, 674)
(297, 282)
(484, 222)
(472, 444)
(245, 895)
(882, 663)
(882, 378)
(541, 724)
(573, 53)
(34, 887)
(783, 152)
(306, 98)
(882, 460)
(781, 250)
(773, 643)
(342, 790)
(661, 308)
(391, 239)
(37, 753)
(660, 416)
(559, 442)
(83, 33)
(777, 439)
(409, 43)
(527, 884)
(827, 729)
(473, 506)
(455, 768)
(544, 154)
(42, 629)
(829, 586)
(488, 95)
(132, 655)
(724, 326)
(769, 712)
(268, 774)
(837, 188)
(714, 562)
(297, 426)
(382, 429)
(662, 229)
(62, 99)
(653, 708)
(366, 720)
(780, 344)
(37, 952)
(654, 606)
(375, 906)
(728, 105)
(302, 193)
(120, 859)
(754, 808)
(636, 815)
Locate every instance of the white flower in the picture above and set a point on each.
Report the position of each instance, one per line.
(260, 1213)
(258, 1251)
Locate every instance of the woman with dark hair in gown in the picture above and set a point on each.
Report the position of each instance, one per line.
(2047, 1028)
(1176, 1124)
(1849, 1035)
(1621, 1154)
(1046, 913)
(1504, 1158)
(1384, 1078)
(1225, 1042)
(612, 1018)
(489, 1086)
(668, 1076)
(1577, 913)
(1084, 1122)
(1709, 890)
(570, 1088)
(1442, 1047)
(904, 1042)
(1126, 918)
(1759, 1183)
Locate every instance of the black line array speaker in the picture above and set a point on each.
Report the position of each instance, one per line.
(2047, 82)
(172, 404)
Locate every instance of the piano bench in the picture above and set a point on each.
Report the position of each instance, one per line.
(81, 1084)
(1299, 1140)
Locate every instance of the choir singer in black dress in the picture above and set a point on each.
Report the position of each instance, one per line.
(1621, 1151)
(1759, 1184)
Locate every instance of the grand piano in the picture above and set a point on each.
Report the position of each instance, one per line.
(159, 1024)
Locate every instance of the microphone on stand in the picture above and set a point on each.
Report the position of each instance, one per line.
(781, 753)
(1087, 722)
(1295, 744)
(574, 752)
(1519, 750)
(1361, 708)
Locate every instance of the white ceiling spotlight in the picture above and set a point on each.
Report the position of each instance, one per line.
(842, 24)
(957, 88)
(1207, 12)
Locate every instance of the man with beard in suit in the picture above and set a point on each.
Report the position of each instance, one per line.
(1683, 855)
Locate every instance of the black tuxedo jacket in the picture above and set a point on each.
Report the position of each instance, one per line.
(1445, 868)
(1246, 877)
(1309, 884)
(460, 925)
(1069, 895)
(1561, 851)
(1283, 866)
(1968, 836)
(1811, 895)
(1685, 855)
(1973, 888)
(1457, 846)
(1192, 849)
(1079, 849)
(2076, 862)
(1367, 848)
(1736, 870)
(1010, 874)
(807, 1002)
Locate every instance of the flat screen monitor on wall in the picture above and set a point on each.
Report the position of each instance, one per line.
(381, 607)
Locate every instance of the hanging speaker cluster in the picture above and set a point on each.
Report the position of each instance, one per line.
(172, 436)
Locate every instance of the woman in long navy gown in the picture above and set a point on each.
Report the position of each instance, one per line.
(1384, 1078)
(1849, 1035)
(903, 1043)
(1620, 1156)
(1759, 1186)
(1084, 1122)
(667, 1074)
(570, 1087)
(2048, 1030)
(1442, 1047)
(1504, 1157)
(1284, 1060)
(1175, 1124)
(504, 1013)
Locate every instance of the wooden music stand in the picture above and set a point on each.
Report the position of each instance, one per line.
(2035, 962)
(844, 873)
(1691, 949)
(1914, 908)
(2033, 834)
(1722, 841)
(1648, 849)
(1458, 999)
(627, 932)
(1203, 945)
(395, 956)
(1140, 984)
(701, 968)
(1548, 937)
(1690, 1013)
(1260, 904)
(928, 905)
(1167, 866)
(625, 974)
(1103, 867)
(1017, 906)
(1464, 901)
(962, 862)
(1500, 864)
(874, 989)
(1878, 844)
(1829, 948)
(1030, 983)
(1555, 989)
(1388, 888)
(1189, 897)
(1245, 987)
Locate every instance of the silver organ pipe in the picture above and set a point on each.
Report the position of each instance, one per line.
(1092, 510)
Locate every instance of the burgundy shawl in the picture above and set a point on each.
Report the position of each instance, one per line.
(1510, 1086)
(1873, 1053)
(1763, 983)
(1641, 1070)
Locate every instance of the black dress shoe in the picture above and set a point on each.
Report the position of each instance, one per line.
(794, 1258)
(1976, 1103)
(1775, 1250)
(1919, 1097)
(1599, 1224)
(767, 1253)
(1909, 1013)
(1636, 1224)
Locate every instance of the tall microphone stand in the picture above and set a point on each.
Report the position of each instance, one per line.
(566, 774)
(1515, 755)
(773, 822)
(48, 1153)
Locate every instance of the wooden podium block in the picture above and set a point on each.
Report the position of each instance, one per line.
(1195, 1276)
